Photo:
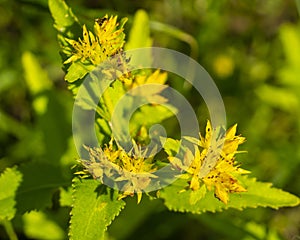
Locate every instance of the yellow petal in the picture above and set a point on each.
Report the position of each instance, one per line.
(188, 157)
(243, 171)
(231, 132)
(208, 133)
(157, 77)
(237, 188)
(139, 197)
(194, 185)
(221, 194)
(231, 146)
(86, 35)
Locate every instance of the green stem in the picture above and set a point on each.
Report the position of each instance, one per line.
(9, 230)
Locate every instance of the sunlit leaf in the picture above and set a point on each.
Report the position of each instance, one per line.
(37, 81)
(62, 14)
(94, 208)
(139, 35)
(290, 38)
(10, 180)
(38, 226)
(148, 115)
(278, 97)
(65, 198)
(77, 71)
(171, 146)
(258, 194)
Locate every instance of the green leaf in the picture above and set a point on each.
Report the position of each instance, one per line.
(195, 196)
(112, 95)
(277, 97)
(62, 14)
(38, 226)
(94, 208)
(65, 199)
(9, 182)
(258, 194)
(290, 38)
(55, 128)
(103, 131)
(76, 71)
(148, 115)
(37, 81)
(171, 146)
(139, 36)
(36, 78)
(40, 181)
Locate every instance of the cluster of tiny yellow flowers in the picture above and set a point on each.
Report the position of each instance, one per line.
(132, 172)
(157, 77)
(94, 48)
(107, 40)
(213, 163)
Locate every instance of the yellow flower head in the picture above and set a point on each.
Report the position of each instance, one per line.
(94, 48)
(132, 172)
(213, 162)
(157, 77)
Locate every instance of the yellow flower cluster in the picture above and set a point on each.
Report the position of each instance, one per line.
(132, 172)
(213, 163)
(94, 48)
(157, 77)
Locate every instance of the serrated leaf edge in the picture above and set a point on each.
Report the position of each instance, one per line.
(226, 207)
(72, 206)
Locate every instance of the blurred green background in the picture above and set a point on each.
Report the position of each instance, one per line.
(250, 48)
